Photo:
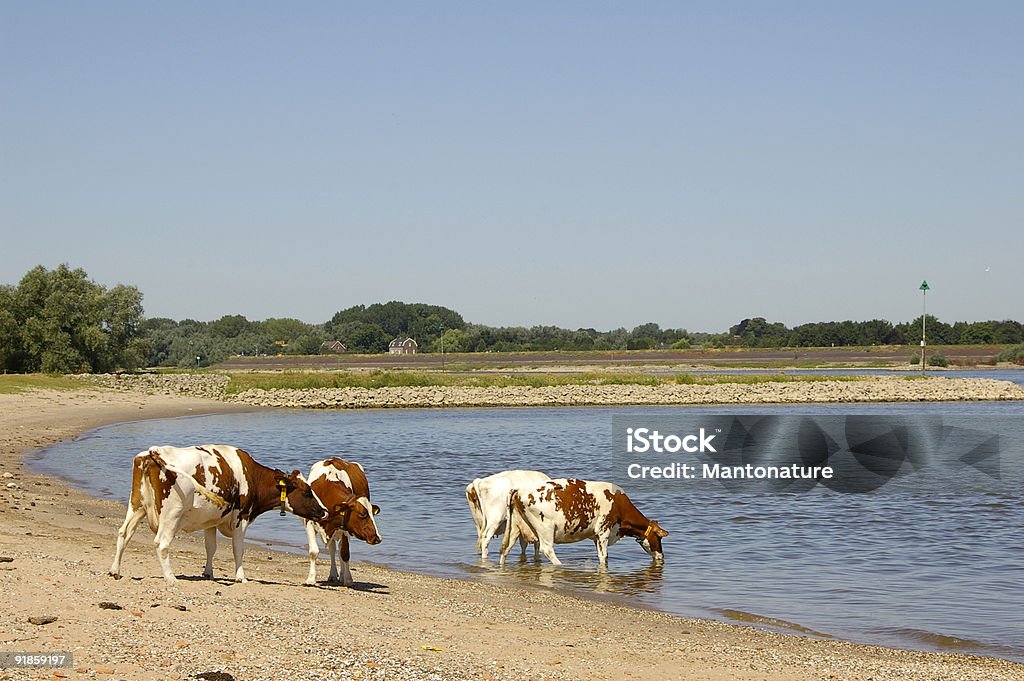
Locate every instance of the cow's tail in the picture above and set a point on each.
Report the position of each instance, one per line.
(143, 494)
(510, 522)
(473, 499)
(213, 498)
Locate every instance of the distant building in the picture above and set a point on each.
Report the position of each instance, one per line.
(403, 347)
(334, 346)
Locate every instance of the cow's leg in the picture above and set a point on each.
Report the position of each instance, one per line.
(491, 528)
(548, 549)
(602, 549)
(124, 535)
(546, 539)
(210, 537)
(167, 528)
(314, 551)
(332, 548)
(346, 574)
(238, 548)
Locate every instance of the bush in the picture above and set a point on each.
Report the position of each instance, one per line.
(1013, 354)
(936, 360)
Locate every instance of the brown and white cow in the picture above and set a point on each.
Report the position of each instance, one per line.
(343, 488)
(488, 502)
(564, 511)
(184, 489)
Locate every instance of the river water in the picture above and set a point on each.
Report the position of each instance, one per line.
(928, 571)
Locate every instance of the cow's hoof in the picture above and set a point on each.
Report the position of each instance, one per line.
(309, 583)
(114, 575)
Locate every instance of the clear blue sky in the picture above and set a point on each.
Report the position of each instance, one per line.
(582, 164)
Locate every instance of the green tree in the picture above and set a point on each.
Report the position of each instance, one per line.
(1007, 331)
(307, 343)
(286, 329)
(229, 326)
(398, 319)
(939, 333)
(978, 333)
(454, 341)
(65, 322)
(10, 334)
(757, 332)
(362, 337)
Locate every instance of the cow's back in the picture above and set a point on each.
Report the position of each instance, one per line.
(576, 508)
(334, 481)
(327, 473)
(221, 470)
(492, 492)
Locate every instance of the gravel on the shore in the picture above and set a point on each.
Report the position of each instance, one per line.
(870, 389)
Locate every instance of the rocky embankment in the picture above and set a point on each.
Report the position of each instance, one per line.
(871, 389)
(207, 386)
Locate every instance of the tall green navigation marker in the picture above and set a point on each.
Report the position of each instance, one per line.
(924, 295)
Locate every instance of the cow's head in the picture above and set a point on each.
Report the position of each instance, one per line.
(355, 516)
(650, 541)
(298, 496)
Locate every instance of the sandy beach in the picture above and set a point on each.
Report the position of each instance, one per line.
(392, 625)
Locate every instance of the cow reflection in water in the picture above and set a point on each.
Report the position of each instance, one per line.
(645, 580)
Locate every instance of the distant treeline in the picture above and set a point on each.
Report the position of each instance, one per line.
(759, 333)
(370, 329)
(60, 321)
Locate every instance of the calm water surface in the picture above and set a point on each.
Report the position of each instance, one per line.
(928, 571)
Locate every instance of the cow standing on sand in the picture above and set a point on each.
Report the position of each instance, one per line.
(343, 487)
(564, 511)
(184, 489)
(488, 502)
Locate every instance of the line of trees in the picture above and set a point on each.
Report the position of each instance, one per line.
(60, 321)
(363, 329)
(760, 333)
(369, 330)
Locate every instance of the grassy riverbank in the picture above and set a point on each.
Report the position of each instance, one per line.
(12, 384)
(297, 380)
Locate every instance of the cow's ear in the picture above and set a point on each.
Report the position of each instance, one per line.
(376, 508)
(338, 508)
(658, 531)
